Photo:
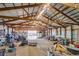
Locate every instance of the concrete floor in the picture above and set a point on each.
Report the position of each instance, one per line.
(39, 50)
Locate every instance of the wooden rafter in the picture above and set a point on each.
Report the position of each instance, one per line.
(40, 25)
(55, 15)
(62, 22)
(70, 23)
(65, 15)
(4, 4)
(49, 24)
(24, 9)
(57, 22)
(16, 18)
(32, 10)
(71, 10)
(38, 10)
(18, 7)
(72, 5)
(8, 17)
(29, 25)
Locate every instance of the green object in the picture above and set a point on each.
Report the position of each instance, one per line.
(71, 46)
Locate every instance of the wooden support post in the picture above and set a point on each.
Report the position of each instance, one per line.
(47, 32)
(44, 32)
(60, 31)
(4, 26)
(51, 31)
(56, 31)
(65, 32)
(7, 30)
(71, 33)
(12, 30)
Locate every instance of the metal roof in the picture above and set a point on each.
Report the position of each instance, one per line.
(52, 14)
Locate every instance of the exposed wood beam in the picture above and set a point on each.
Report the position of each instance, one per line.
(18, 7)
(71, 10)
(4, 4)
(57, 22)
(16, 10)
(70, 23)
(40, 25)
(28, 28)
(49, 24)
(29, 25)
(23, 23)
(65, 8)
(25, 9)
(28, 8)
(13, 4)
(16, 18)
(55, 14)
(36, 20)
(63, 22)
(38, 10)
(65, 15)
(19, 23)
(8, 17)
(33, 10)
(60, 24)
